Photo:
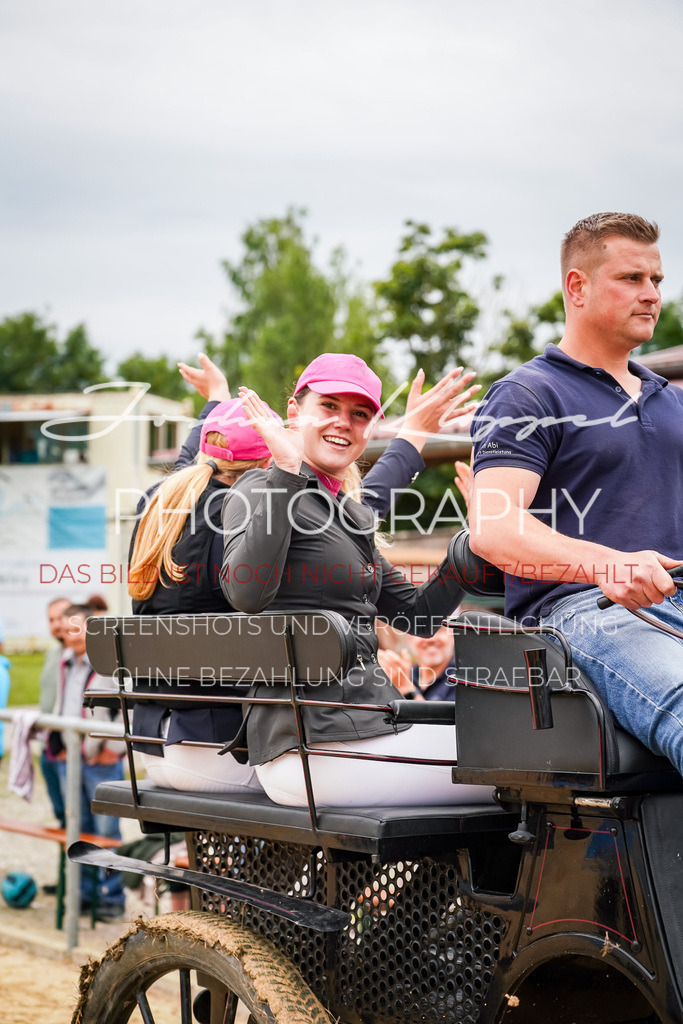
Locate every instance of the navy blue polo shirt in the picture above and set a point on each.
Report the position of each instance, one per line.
(611, 468)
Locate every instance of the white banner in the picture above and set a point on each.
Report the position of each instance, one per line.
(52, 541)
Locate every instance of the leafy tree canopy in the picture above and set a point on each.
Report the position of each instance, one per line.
(524, 337)
(669, 329)
(161, 374)
(33, 359)
(424, 301)
(290, 310)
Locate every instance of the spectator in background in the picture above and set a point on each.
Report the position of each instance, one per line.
(49, 683)
(425, 676)
(101, 760)
(97, 604)
(421, 670)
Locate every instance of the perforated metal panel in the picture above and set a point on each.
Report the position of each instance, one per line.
(414, 952)
(295, 870)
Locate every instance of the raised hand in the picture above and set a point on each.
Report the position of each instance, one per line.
(207, 379)
(443, 404)
(464, 481)
(286, 446)
(399, 669)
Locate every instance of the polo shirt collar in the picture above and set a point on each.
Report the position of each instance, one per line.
(556, 354)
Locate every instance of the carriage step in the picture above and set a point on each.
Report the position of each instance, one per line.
(296, 909)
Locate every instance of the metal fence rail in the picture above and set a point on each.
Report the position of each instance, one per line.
(72, 729)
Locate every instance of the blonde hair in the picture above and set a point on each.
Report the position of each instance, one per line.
(163, 520)
(351, 484)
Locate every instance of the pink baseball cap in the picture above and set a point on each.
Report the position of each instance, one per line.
(228, 419)
(335, 373)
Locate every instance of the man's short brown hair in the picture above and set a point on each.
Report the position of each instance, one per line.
(582, 248)
(77, 609)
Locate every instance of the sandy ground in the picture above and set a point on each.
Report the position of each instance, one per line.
(38, 979)
(38, 982)
(35, 989)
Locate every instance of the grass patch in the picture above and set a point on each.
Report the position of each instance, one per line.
(25, 675)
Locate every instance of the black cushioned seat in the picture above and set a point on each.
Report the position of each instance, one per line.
(388, 832)
(585, 749)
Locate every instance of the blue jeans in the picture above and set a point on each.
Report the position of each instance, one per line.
(636, 669)
(110, 889)
(54, 789)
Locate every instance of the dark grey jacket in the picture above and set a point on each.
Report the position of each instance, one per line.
(201, 591)
(290, 545)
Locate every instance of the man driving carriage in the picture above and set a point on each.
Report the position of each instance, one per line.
(578, 461)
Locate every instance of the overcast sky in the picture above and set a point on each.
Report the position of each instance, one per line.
(140, 137)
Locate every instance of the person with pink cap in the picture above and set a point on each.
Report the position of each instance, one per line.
(295, 540)
(228, 447)
(174, 558)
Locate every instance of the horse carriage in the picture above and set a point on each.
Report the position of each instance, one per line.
(562, 901)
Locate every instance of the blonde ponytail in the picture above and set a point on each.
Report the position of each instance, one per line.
(163, 521)
(160, 527)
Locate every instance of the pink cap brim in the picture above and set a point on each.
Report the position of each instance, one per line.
(341, 387)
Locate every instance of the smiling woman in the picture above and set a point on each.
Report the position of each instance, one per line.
(314, 547)
(330, 415)
(335, 429)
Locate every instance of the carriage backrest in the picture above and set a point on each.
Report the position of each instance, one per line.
(580, 747)
(198, 653)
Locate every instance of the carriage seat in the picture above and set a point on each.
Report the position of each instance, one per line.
(389, 833)
(202, 659)
(497, 738)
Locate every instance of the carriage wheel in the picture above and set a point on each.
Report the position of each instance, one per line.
(209, 970)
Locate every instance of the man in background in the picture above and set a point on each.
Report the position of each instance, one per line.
(49, 682)
(425, 675)
(101, 759)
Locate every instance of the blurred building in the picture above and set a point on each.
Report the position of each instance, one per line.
(667, 362)
(72, 468)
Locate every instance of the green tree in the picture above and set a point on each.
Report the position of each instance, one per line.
(33, 359)
(526, 336)
(425, 303)
(161, 375)
(669, 329)
(289, 311)
(80, 364)
(28, 350)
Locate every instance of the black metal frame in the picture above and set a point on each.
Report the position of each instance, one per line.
(126, 697)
